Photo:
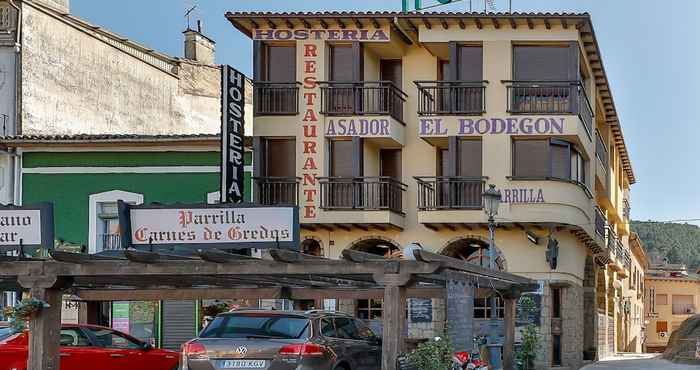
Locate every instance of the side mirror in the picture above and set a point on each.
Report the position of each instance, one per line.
(147, 347)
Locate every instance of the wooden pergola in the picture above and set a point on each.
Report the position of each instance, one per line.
(147, 275)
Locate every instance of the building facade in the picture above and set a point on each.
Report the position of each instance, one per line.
(386, 128)
(672, 297)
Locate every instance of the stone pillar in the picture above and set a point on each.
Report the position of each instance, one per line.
(460, 314)
(509, 344)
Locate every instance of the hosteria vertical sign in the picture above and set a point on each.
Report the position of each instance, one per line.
(222, 226)
(30, 227)
(232, 134)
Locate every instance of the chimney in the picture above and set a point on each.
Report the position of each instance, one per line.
(199, 47)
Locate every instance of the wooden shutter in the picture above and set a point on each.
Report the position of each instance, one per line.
(470, 158)
(661, 326)
(471, 63)
(560, 159)
(281, 63)
(281, 158)
(531, 158)
(341, 158)
(545, 63)
(391, 70)
(341, 63)
(391, 163)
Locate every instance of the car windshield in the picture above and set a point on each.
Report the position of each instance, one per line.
(5, 332)
(256, 326)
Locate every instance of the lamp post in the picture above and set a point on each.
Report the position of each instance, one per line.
(492, 200)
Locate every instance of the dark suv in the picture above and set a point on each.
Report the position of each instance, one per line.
(283, 340)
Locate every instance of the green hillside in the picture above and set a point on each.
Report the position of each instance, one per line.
(680, 243)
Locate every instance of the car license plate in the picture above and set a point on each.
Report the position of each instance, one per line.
(243, 364)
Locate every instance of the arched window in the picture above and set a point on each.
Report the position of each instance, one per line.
(474, 250)
(312, 247)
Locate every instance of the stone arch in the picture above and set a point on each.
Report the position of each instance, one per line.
(376, 244)
(313, 246)
(474, 249)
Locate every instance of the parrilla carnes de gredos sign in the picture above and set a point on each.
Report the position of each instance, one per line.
(29, 226)
(376, 35)
(209, 226)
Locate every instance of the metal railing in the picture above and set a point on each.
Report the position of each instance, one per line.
(612, 240)
(362, 193)
(451, 97)
(601, 150)
(550, 97)
(450, 192)
(600, 222)
(626, 209)
(682, 308)
(362, 98)
(277, 190)
(110, 241)
(275, 98)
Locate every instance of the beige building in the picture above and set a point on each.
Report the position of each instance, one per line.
(634, 330)
(672, 297)
(385, 129)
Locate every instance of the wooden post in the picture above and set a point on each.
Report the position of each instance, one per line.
(509, 343)
(45, 328)
(394, 318)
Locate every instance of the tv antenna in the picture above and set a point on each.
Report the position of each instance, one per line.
(188, 15)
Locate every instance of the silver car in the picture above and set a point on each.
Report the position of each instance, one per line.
(283, 340)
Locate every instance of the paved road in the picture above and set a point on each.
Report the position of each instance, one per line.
(641, 362)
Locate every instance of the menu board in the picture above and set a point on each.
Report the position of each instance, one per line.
(421, 310)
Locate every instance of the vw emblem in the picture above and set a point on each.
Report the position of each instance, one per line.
(242, 350)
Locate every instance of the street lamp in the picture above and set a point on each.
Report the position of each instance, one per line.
(492, 200)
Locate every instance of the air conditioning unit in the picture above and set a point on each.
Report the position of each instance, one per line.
(663, 334)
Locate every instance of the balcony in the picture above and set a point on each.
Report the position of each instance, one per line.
(626, 209)
(451, 97)
(683, 309)
(379, 98)
(600, 223)
(445, 192)
(550, 97)
(276, 190)
(109, 242)
(275, 98)
(362, 193)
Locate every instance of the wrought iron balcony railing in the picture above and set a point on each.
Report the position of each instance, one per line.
(275, 98)
(362, 193)
(600, 223)
(110, 242)
(450, 192)
(451, 97)
(353, 98)
(550, 97)
(601, 150)
(277, 190)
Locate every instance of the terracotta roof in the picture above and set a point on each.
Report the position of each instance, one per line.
(102, 138)
(247, 21)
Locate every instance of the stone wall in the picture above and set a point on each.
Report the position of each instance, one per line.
(572, 327)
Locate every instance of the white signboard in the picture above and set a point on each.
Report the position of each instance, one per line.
(211, 226)
(20, 225)
(26, 226)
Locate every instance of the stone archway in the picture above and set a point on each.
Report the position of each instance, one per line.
(473, 249)
(378, 245)
(312, 246)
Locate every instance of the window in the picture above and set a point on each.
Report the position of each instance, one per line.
(482, 308)
(280, 63)
(345, 328)
(369, 309)
(245, 326)
(661, 299)
(108, 217)
(104, 222)
(556, 303)
(280, 157)
(111, 339)
(548, 159)
(661, 326)
(556, 349)
(682, 304)
(327, 328)
(545, 62)
(73, 338)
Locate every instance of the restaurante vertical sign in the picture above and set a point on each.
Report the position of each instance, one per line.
(309, 124)
(232, 134)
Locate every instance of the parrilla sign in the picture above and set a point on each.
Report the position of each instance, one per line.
(29, 226)
(209, 226)
(376, 35)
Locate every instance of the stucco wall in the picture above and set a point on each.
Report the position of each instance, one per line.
(76, 83)
(670, 287)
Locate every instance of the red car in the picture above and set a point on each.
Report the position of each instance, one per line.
(89, 347)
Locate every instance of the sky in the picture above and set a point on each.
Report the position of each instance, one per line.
(650, 52)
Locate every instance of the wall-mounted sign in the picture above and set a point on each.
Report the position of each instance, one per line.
(492, 126)
(359, 127)
(421, 309)
(232, 134)
(209, 226)
(522, 195)
(362, 34)
(28, 226)
(311, 130)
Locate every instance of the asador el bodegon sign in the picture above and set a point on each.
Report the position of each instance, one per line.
(223, 226)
